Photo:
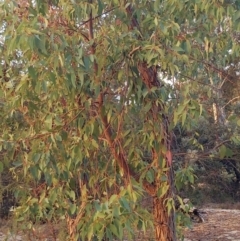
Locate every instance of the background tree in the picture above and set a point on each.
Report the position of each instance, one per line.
(87, 118)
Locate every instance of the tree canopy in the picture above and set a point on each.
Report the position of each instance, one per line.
(87, 109)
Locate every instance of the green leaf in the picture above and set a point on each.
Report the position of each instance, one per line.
(191, 178)
(40, 42)
(48, 122)
(1, 167)
(73, 80)
(116, 212)
(100, 7)
(36, 157)
(222, 151)
(35, 172)
(109, 234)
(238, 122)
(113, 198)
(229, 152)
(124, 203)
(175, 118)
(114, 230)
(187, 47)
(162, 190)
(32, 72)
(184, 116)
(170, 205)
(178, 49)
(90, 232)
(201, 109)
(150, 175)
(57, 136)
(64, 135)
(73, 208)
(17, 163)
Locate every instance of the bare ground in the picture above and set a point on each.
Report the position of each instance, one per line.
(219, 225)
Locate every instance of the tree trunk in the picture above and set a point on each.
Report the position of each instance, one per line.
(218, 110)
(164, 223)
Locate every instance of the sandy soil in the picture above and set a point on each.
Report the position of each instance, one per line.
(219, 225)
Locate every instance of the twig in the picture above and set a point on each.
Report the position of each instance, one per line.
(231, 101)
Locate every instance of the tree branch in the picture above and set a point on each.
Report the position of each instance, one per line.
(98, 16)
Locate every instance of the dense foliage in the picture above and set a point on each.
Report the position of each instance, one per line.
(85, 131)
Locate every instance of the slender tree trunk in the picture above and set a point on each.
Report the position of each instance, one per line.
(164, 223)
(214, 105)
(218, 111)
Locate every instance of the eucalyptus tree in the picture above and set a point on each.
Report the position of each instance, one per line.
(87, 118)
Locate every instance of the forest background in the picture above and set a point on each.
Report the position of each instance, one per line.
(111, 111)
